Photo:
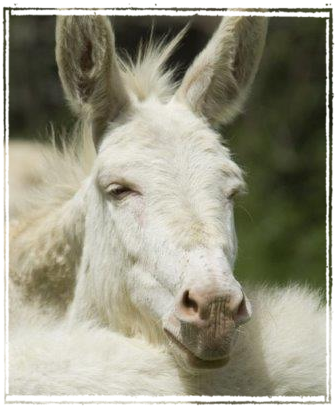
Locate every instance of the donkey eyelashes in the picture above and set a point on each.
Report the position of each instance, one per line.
(119, 191)
(232, 195)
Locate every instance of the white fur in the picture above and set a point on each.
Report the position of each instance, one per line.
(96, 280)
(279, 352)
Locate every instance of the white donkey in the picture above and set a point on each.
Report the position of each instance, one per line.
(123, 283)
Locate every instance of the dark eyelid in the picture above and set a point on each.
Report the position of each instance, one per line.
(237, 191)
(233, 192)
(121, 182)
(120, 191)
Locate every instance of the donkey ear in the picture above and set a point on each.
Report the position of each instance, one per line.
(217, 83)
(88, 68)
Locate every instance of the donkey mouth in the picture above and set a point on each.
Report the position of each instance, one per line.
(195, 361)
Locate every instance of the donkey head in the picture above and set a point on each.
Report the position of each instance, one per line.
(160, 242)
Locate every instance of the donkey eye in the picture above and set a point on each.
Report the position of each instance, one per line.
(118, 191)
(231, 196)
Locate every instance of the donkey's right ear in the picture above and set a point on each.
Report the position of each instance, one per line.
(217, 83)
(88, 68)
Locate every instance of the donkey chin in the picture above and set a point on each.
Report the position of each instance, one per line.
(202, 345)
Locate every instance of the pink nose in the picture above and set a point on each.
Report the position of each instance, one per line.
(198, 306)
(207, 318)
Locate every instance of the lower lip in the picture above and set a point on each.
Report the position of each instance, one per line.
(196, 362)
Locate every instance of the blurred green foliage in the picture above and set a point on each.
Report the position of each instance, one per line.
(279, 141)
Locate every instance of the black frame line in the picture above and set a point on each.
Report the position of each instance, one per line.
(215, 13)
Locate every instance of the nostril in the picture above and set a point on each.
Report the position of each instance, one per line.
(188, 302)
(209, 305)
(242, 314)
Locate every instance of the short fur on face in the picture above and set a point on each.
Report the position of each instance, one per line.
(174, 229)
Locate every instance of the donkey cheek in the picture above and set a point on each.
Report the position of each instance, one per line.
(138, 211)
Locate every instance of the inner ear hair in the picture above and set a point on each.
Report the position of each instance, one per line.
(89, 71)
(217, 83)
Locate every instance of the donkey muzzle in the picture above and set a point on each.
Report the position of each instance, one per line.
(204, 324)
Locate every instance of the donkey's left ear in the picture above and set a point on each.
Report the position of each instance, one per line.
(88, 68)
(217, 83)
